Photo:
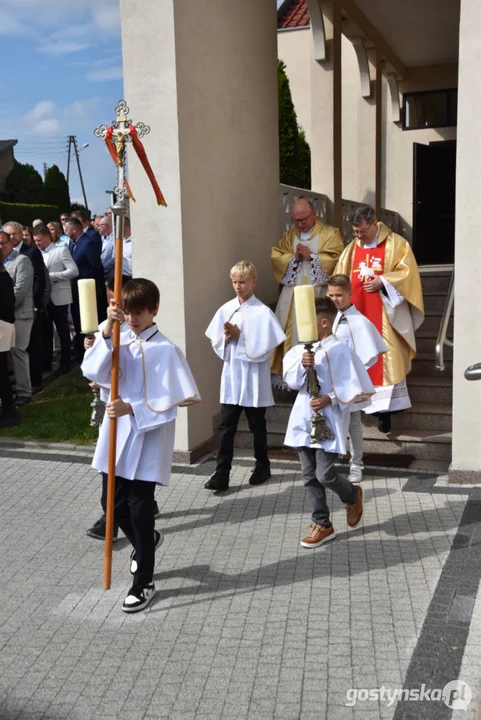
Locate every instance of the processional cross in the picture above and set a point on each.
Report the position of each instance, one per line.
(116, 136)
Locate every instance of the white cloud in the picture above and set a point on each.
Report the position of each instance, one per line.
(65, 47)
(11, 24)
(47, 127)
(41, 109)
(113, 73)
(60, 18)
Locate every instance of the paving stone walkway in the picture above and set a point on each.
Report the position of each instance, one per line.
(246, 622)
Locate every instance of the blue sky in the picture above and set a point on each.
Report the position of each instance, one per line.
(61, 75)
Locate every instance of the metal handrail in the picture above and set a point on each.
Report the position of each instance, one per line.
(442, 339)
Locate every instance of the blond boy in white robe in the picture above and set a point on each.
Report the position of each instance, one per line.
(343, 380)
(244, 334)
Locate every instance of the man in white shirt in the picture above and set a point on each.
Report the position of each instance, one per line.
(105, 229)
(126, 250)
(61, 269)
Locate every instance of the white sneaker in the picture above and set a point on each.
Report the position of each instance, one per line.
(138, 598)
(355, 474)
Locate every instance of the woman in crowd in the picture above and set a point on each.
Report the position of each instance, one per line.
(27, 235)
(56, 231)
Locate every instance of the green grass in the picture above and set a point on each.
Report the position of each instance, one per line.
(61, 413)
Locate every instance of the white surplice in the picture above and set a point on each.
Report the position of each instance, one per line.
(155, 379)
(357, 332)
(342, 376)
(246, 375)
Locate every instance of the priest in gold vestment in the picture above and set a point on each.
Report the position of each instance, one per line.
(305, 255)
(386, 288)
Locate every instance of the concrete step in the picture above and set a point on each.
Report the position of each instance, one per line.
(421, 444)
(432, 322)
(426, 345)
(430, 388)
(435, 279)
(434, 300)
(424, 364)
(422, 416)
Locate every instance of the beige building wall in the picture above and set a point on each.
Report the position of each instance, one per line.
(204, 79)
(466, 462)
(294, 47)
(358, 124)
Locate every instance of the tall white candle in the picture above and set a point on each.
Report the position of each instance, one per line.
(305, 308)
(88, 306)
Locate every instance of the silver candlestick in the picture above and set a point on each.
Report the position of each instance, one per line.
(319, 428)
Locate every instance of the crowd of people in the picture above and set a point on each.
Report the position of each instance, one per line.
(40, 267)
(368, 306)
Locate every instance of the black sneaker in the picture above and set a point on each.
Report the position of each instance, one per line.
(159, 539)
(218, 481)
(260, 474)
(9, 419)
(22, 400)
(138, 598)
(384, 422)
(97, 531)
(156, 510)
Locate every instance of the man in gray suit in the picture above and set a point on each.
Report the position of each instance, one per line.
(20, 269)
(61, 269)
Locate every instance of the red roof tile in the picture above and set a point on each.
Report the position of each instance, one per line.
(295, 15)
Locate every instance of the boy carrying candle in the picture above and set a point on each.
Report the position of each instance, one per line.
(154, 381)
(343, 380)
(244, 333)
(361, 335)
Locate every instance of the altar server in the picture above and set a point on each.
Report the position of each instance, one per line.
(343, 380)
(244, 333)
(154, 381)
(361, 335)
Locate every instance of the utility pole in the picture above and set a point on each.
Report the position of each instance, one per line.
(44, 170)
(72, 142)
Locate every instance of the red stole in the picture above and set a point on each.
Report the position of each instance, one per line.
(369, 262)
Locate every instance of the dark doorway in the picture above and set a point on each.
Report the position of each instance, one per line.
(434, 190)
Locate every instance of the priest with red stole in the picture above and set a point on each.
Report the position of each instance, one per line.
(386, 288)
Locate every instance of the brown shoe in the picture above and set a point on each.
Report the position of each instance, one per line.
(354, 511)
(319, 534)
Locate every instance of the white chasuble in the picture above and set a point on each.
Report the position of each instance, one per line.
(246, 373)
(342, 376)
(155, 379)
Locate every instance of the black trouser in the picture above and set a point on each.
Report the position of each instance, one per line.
(134, 514)
(256, 417)
(6, 394)
(57, 314)
(35, 350)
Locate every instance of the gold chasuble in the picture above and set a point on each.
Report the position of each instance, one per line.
(398, 322)
(325, 242)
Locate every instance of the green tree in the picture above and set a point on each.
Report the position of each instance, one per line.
(304, 162)
(294, 151)
(56, 188)
(25, 184)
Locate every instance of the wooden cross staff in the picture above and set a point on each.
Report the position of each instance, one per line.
(116, 136)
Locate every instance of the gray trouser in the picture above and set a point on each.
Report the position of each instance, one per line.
(318, 473)
(20, 359)
(355, 434)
